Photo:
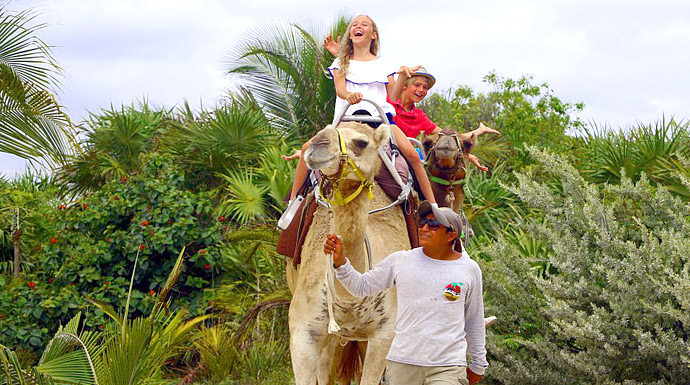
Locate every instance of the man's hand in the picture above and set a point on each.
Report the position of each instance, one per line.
(334, 246)
(331, 45)
(473, 377)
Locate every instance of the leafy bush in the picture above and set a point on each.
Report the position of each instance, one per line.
(614, 309)
(95, 243)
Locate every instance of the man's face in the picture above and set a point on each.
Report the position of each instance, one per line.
(431, 232)
(417, 90)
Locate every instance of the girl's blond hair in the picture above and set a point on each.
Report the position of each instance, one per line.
(347, 49)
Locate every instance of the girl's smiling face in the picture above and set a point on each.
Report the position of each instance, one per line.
(362, 30)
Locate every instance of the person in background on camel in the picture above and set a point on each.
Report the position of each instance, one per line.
(440, 303)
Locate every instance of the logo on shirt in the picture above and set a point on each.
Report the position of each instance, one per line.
(452, 291)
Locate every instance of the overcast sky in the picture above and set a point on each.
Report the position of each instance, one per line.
(626, 60)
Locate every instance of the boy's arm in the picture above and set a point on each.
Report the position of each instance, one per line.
(395, 87)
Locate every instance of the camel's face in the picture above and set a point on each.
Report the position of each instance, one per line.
(362, 143)
(445, 146)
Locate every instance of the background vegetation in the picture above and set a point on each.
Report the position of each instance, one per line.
(151, 236)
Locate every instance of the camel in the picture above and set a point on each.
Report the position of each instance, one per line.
(369, 321)
(445, 165)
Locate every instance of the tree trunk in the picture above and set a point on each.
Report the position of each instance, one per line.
(17, 251)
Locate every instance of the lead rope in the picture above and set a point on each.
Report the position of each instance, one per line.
(333, 326)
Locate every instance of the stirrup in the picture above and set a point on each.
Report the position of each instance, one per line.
(290, 212)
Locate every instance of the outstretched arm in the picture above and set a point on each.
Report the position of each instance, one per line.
(482, 129)
(294, 156)
(358, 284)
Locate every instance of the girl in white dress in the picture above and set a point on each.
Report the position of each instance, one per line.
(359, 72)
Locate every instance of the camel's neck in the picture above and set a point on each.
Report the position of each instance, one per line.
(350, 223)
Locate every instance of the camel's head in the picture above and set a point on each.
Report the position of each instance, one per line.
(361, 141)
(448, 145)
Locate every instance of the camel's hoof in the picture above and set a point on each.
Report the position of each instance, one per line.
(490, 321)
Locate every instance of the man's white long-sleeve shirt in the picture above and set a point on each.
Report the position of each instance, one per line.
(440, 307)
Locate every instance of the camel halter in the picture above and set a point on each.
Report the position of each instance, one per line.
(331, 185)
(442, 181)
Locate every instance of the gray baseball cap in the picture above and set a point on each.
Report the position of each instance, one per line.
(444, 215)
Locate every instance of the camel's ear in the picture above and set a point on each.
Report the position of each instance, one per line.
(382, 133)
(468, 141)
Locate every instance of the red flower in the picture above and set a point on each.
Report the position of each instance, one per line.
(62, 207)
(2, 316)
(106, 283)
(50, 280)
(169, 221)
(83, 206)
(124, 179)
(221, 218)
(143, 246)
(72, 283)
(207, 266)
(53, 240)
(38, 247)
(107, 240)
(202, 251)
(145, 222)
(32, 284)
(116, 197)
(151, 232)
(101, 327)
(151, 293)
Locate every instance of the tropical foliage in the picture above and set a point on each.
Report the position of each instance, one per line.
(32, 123)
(154, 244)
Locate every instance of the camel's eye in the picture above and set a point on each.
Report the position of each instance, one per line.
(361, 143)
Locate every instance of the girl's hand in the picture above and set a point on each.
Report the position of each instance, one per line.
(334, 246)
(354, 97)
(332, 46)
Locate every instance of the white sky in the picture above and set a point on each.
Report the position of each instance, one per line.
(626, 60)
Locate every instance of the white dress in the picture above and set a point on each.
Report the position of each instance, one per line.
(368, 78)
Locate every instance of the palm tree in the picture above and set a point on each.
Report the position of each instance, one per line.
(113, 142)
(656, 150)
(32, 123)
(283, 67)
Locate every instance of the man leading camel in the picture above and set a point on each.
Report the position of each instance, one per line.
(440, 306)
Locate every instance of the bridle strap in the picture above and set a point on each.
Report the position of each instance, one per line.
(347, 165)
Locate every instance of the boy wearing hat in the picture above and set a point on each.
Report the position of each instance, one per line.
(440, 305)
(410, 89)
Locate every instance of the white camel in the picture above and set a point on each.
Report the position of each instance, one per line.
(369, 321)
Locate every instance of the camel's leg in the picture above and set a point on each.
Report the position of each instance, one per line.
(375, 359)
(325, 370)
(304, 353)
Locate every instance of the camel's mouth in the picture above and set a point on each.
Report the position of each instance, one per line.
(319, 158)
(445, 152)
